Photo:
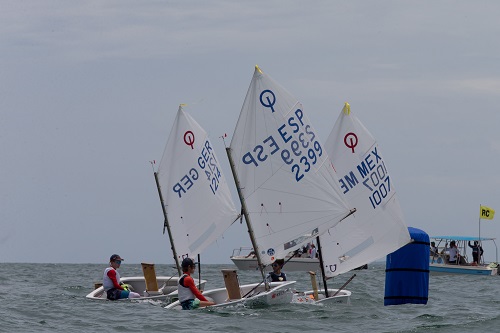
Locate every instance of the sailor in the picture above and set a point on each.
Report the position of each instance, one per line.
(111, 281)
(277, 275)
(189, 296)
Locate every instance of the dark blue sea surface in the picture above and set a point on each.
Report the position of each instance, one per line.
(51, 298)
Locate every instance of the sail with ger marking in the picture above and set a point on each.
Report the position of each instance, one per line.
(377, 228)
(197, 198)
(290, 188)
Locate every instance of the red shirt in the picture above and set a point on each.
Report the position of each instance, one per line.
(112, 275)
(189, 283)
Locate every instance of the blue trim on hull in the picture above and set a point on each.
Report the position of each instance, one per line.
(458, 270)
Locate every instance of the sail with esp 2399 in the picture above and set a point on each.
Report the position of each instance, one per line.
(287, 182)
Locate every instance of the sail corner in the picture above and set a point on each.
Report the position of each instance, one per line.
(346, 109)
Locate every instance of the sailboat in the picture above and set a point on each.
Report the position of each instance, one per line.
(195, 199)
(288, 191)
(377, 228)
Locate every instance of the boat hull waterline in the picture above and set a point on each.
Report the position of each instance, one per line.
(280, 293)
(167, 289)
(459, 269)
(341, 297)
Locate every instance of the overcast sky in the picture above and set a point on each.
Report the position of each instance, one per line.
(89, 91)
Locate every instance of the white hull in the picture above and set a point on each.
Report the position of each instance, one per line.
(293, 265)
(167, 285)
(436, 268)
(343, 297)
(280, 293)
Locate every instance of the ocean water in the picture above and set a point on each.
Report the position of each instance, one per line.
(51, 298)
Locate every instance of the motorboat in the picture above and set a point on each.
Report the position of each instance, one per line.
(439, 258)
(245, 260)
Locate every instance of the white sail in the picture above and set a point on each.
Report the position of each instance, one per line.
(290, 189)
(377, 228)
(198, 202)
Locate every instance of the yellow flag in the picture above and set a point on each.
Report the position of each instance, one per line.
(486, 213)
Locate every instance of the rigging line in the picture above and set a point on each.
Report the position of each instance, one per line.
(294, 253)
(344, 285)
(254, 288)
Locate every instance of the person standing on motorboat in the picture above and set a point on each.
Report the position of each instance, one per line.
(111, 281)
(189, 296)
(477, 251)
(312, 253)
(277, 275)
(433, 249)
(453, 253)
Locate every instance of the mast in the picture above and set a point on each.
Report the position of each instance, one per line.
(167, 225)
(245, 213)
(199, 271)
(322, 266)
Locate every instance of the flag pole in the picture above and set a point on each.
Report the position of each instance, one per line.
(479, 222)
(479, 240)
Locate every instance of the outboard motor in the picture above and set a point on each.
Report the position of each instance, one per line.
(407, 271)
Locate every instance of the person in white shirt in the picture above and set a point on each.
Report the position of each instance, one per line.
(453, 252)
(312, 254)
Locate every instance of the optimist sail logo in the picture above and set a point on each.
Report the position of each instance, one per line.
(189, 139)
(351, 141)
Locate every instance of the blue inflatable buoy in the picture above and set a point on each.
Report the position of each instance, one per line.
(407, 271)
